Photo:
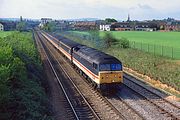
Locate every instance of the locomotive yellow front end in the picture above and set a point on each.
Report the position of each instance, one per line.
(110, 75)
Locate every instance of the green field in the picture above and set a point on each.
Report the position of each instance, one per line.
(171, 39)
(161, 43)
(5, 33)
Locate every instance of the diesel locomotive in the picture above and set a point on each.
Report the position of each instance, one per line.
(103, 70)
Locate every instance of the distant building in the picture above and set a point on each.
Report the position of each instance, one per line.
(134, 26)
(145, 26)
(1, 27)
(86, 25)
(45, 20)
(21, 19)
(62, 25)
(128, 20)
(105, 27)
(8, 26)
(121, 26)
(172, 26)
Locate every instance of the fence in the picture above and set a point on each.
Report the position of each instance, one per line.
(165, 51)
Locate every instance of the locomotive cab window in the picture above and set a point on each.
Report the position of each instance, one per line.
(116, 67)
(110, 67)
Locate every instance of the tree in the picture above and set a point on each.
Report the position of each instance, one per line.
(96, 39)
(110, 20)
(51, 26)
(21, 26)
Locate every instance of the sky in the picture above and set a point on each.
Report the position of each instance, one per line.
(73, 9)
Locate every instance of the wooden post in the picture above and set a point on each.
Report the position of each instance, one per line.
(162, 50)
(154, 49)
(172, 53)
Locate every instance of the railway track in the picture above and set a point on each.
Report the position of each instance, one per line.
(167, 108)
(78, 104)
(109, 107)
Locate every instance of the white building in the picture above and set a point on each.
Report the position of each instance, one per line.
(105, 27)
(44, 21)
(1, 27)
(41, 25)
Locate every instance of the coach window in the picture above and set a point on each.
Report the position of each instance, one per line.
(70, 51)
(95, 66)
(59, 43)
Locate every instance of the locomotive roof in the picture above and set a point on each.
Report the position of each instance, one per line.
(69, 43)
(66, 41)
(96, 56)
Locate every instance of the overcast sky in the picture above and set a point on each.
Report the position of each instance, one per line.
(66, 9)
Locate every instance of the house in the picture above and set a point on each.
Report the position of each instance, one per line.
(62, 25)
(8, 25)
(1, 27)
(121, 26)
(105, 27)
(45, 20)
(172, 26)
(86, 25)
(145, 26)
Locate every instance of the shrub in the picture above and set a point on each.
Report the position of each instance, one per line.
(124, 43)
(109, 40)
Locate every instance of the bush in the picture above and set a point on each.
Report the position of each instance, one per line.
(124, 43)
(109, 40)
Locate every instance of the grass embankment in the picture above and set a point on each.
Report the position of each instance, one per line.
(21, 93)
(4, 34)
(158, 68)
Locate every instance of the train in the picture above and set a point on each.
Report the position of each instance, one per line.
(102, 70)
